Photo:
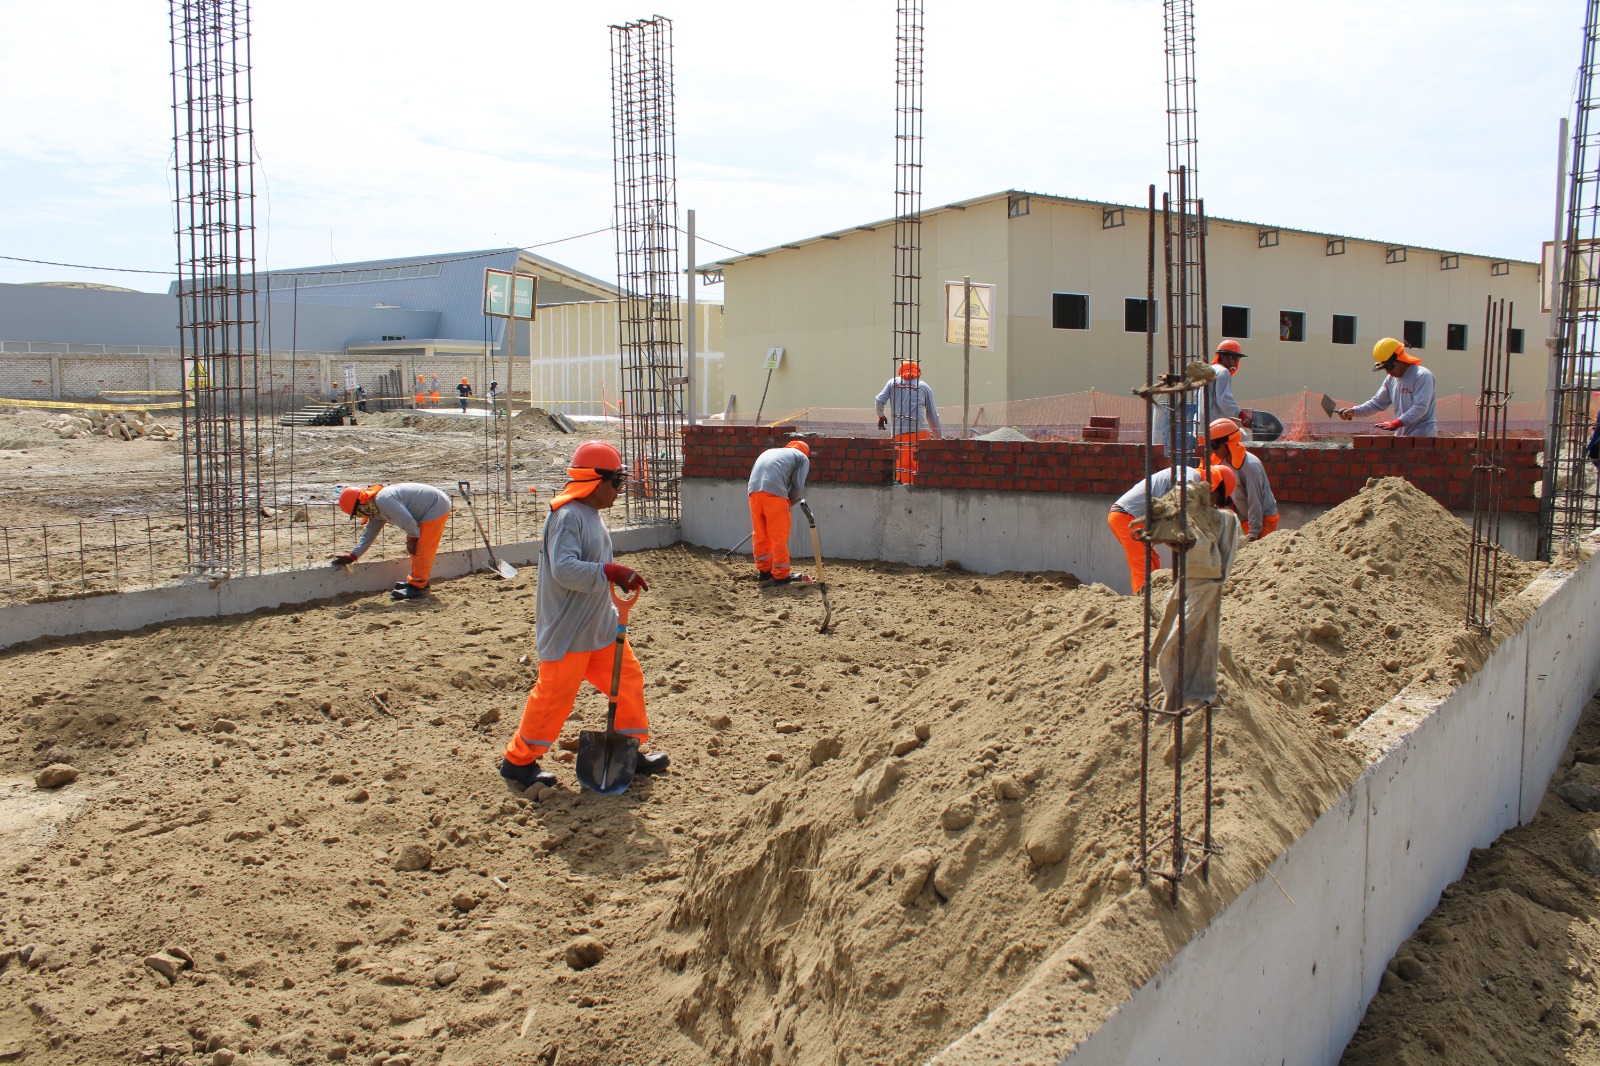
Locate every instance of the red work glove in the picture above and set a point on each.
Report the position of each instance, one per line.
(343, 560)
(1393, 423)
(1244, 417)
(411, 545)
(624, 577)
(883, 421)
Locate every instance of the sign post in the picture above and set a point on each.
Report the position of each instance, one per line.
(969, 312)
(511, 296)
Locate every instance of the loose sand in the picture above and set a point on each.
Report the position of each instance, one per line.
(869, 838)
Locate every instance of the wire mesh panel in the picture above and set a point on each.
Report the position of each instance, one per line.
(215, 209)
(907, 217)
(645, 169)
(1570, 506)
(1488, 467)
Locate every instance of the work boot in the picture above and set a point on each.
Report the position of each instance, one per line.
(791, 579)
(653, 763)
(764, 576)
(401, 586)
(408, 592)
(526, 776)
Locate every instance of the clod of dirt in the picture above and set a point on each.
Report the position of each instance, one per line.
(1051, 834)
(957, 816)
(584, 952)
(1007, 787)
(905, 745)
(224, 725)
(873, 785)
(1581, 787)
(1586, 852)
(413, 857)
(55, 775)
(911, 872)
(167, 965)
(825, 749)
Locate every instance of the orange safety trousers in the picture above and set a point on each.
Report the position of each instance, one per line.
(769, 518)
(905, 454)
(1123, 526)
(429, 534)
(556, 688)
(1269, 523)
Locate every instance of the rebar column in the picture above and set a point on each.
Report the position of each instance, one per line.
(1185, 262)
(1488, 467)
(1569, 505)
(908, 203)
(648, 310)
(214, 191)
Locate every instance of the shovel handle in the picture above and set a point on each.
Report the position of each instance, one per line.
(624, 604)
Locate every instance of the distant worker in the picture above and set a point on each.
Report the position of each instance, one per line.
(420, 397)
(361, 398)
(420, 510)
(777, 483)
(1409, 389)
(1127, 522)
(1253, 498)
(1223, 367)
(494, 391)
(575, 622)
(464, 390)
(910, 402)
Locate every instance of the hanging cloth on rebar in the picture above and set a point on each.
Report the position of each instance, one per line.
(1209, 561)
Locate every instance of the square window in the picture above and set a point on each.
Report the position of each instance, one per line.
(1292, 326)
(1415, 334)
(1112, 217)
(409, 272)
(1513, 342)
(1140, 316)
(1236, 322)
(1455, 337)
(1069, 310)
(1335, 246)
(1344, 329)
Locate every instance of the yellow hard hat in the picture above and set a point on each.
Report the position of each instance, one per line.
(1388, 349)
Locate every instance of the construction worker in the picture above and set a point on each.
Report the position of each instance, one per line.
(1223, 367)
(575, 622)
(910, 402)
(420, 510)
(777, 483)
(1253, 499)
(1409, 389)
(464, 390)
(361, 398)
(1127, 521)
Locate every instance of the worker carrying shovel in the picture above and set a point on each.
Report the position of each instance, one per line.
(420, 510)
(575, 621)
(1253, 498)
(1409, 389)
(911, 406)
(777, 483)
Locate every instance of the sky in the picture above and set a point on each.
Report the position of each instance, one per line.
(407, 128)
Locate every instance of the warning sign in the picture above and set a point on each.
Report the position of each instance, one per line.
(969, 306)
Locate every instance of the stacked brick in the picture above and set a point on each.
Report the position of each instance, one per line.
(1439, 466)
(1102, 428)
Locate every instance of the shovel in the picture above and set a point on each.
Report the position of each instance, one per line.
(816, 549)
(606, 761)
(1328, 406)
(505, 570)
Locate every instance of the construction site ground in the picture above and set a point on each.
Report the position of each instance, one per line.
(868, 838)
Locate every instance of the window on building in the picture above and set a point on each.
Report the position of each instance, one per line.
(1236, 322)
(1344, 329)
(1069, 310)
(1140, 316)
(1292, 326)
(1455, 337)
(1513, 342)
(1415, 334)
(1112, 217)
(394, 338)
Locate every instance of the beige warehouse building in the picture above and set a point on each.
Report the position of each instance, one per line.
(1071, 283)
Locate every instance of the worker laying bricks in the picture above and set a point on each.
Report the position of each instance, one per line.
(575, 622)
(464, 390)
(1253, 499)
(911, 406)
(777, 483)
(1409, 389)
(420, 510)
(1127, 521)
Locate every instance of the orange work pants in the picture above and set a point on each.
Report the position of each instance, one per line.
(769, 518)
(556, 688)
(905, 454)
(1123, 526)
(1269, 523)
(428, 536)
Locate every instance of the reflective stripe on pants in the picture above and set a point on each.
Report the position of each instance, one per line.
(556, 688)
(769, 519)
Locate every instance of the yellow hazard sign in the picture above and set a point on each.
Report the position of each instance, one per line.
(969, 314)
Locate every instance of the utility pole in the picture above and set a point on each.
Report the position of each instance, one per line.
(966, 350)
(688, 365)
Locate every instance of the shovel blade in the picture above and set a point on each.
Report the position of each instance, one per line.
(606, 761)
(506, 570)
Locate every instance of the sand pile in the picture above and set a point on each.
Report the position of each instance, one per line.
(870, 838)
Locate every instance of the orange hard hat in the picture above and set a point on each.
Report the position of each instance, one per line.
(909, 370)
(464, 381)
(348, 500)
(1228, 431)
(597, 455)
(1230, 347)
(800, 446)
(1223, 477)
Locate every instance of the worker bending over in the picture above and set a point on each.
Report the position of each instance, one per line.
(1409, 389)
(420, 510)
(777, 483)
(1127, 521)
(1253, 499)
(575, 622)
(911, 406)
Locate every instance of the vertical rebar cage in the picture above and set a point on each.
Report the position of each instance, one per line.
(1187, 328)
(1488, 466)
(214, 199)
(649, 323)
(1569, 504)
(907, 208)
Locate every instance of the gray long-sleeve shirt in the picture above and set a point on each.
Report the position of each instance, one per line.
(573, 609)
(1411, 395)
(1161, 483)
(911, 406)
(780, 471)
(1223, 405)
(1252, 494)
(407, 505)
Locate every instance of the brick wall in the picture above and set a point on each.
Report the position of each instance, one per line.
(1439, 466)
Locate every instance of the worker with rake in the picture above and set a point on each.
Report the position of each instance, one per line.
(777, 483)
(911, 406)
(575, 621)
(420, 510)
(1408, 388)
(1253, 499)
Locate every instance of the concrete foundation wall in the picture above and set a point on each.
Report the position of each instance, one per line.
(126, 611)
(1446, 776)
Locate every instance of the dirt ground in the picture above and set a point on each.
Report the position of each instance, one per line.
(869, 838)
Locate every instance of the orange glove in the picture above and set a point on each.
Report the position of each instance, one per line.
(1393, 423)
